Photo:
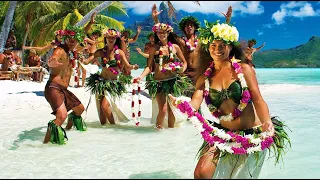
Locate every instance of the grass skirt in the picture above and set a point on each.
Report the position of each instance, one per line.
(249, 166)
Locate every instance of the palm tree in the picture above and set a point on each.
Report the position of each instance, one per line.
(109, 8)
(28, 11)
(71, 12)
(7, 24)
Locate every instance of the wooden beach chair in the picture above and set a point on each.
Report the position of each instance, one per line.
(6, 75)
(30, 70)
(25, 73)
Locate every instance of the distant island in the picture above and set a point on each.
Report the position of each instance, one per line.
(302, 56)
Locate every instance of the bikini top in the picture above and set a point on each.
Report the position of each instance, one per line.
(111, 63)
(234, 92)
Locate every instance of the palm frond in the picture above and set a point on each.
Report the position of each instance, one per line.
(110, 22)
(115, 8)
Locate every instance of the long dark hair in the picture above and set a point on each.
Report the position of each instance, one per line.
(117, 43)
(205, 59)
(172, 37)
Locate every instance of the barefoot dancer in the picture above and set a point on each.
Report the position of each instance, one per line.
(109, 83)
(241, 129)
(56, 93)
(166, 76)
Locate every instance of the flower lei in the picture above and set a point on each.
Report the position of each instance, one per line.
(74, 62)
(171, 66)
(188, 43)
(245, 93)
(116, 57)
(136, 87)
(230, 142)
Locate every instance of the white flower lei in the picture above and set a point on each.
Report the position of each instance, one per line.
(136, 87)
(242, 105)
(189, 45)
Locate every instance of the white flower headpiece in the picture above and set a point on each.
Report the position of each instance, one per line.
(217, 31)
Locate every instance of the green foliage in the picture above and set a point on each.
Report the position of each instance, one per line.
(305, 55)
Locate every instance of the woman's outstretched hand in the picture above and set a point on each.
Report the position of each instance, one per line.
(173, 99)
(268, 127)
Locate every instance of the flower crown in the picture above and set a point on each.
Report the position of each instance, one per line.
(216, 31)
(71, 31)
(161, 26)
(113, 33)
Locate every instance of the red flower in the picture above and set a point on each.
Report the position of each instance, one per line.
(72, 33)
(135, 81)
(173, 69)
(160, 53)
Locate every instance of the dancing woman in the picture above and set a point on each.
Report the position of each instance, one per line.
(110, 83)
(167, 77)
(241, 130)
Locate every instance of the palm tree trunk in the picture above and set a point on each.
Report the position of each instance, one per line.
(84, 20)
(97, 9)
(7, 25)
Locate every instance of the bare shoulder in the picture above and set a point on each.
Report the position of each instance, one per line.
(176, 46)
(247, 69)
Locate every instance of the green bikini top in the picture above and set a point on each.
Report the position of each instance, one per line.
(111, 63)
(157, 59)
(234, 92)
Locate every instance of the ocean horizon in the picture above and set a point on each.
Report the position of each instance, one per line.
(129, 152)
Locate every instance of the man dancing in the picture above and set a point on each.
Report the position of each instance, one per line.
(61, 100)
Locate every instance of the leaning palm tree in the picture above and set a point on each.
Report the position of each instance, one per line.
(108, 8)
(7, 24)
(71, 12)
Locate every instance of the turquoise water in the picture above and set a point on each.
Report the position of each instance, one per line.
(301, 76)
(125, 151)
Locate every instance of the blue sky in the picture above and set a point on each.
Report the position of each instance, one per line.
(281, 24)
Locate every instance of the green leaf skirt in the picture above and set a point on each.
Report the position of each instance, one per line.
(176, 86)
(280, 146)
(98, 85)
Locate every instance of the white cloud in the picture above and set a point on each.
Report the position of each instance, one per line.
(294, 9)
(206, 7)
(260, 33)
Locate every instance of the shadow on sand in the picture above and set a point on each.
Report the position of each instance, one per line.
(38, 93)
(123, 127)
(156, 175)
(33, 135)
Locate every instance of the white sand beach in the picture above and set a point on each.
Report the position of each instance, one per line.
(127, 151)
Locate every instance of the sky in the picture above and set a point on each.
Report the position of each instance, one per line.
(281, 24)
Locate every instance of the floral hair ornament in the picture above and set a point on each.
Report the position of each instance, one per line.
(113, 33)
(71, 31)
(162, 26)
(216, 31)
